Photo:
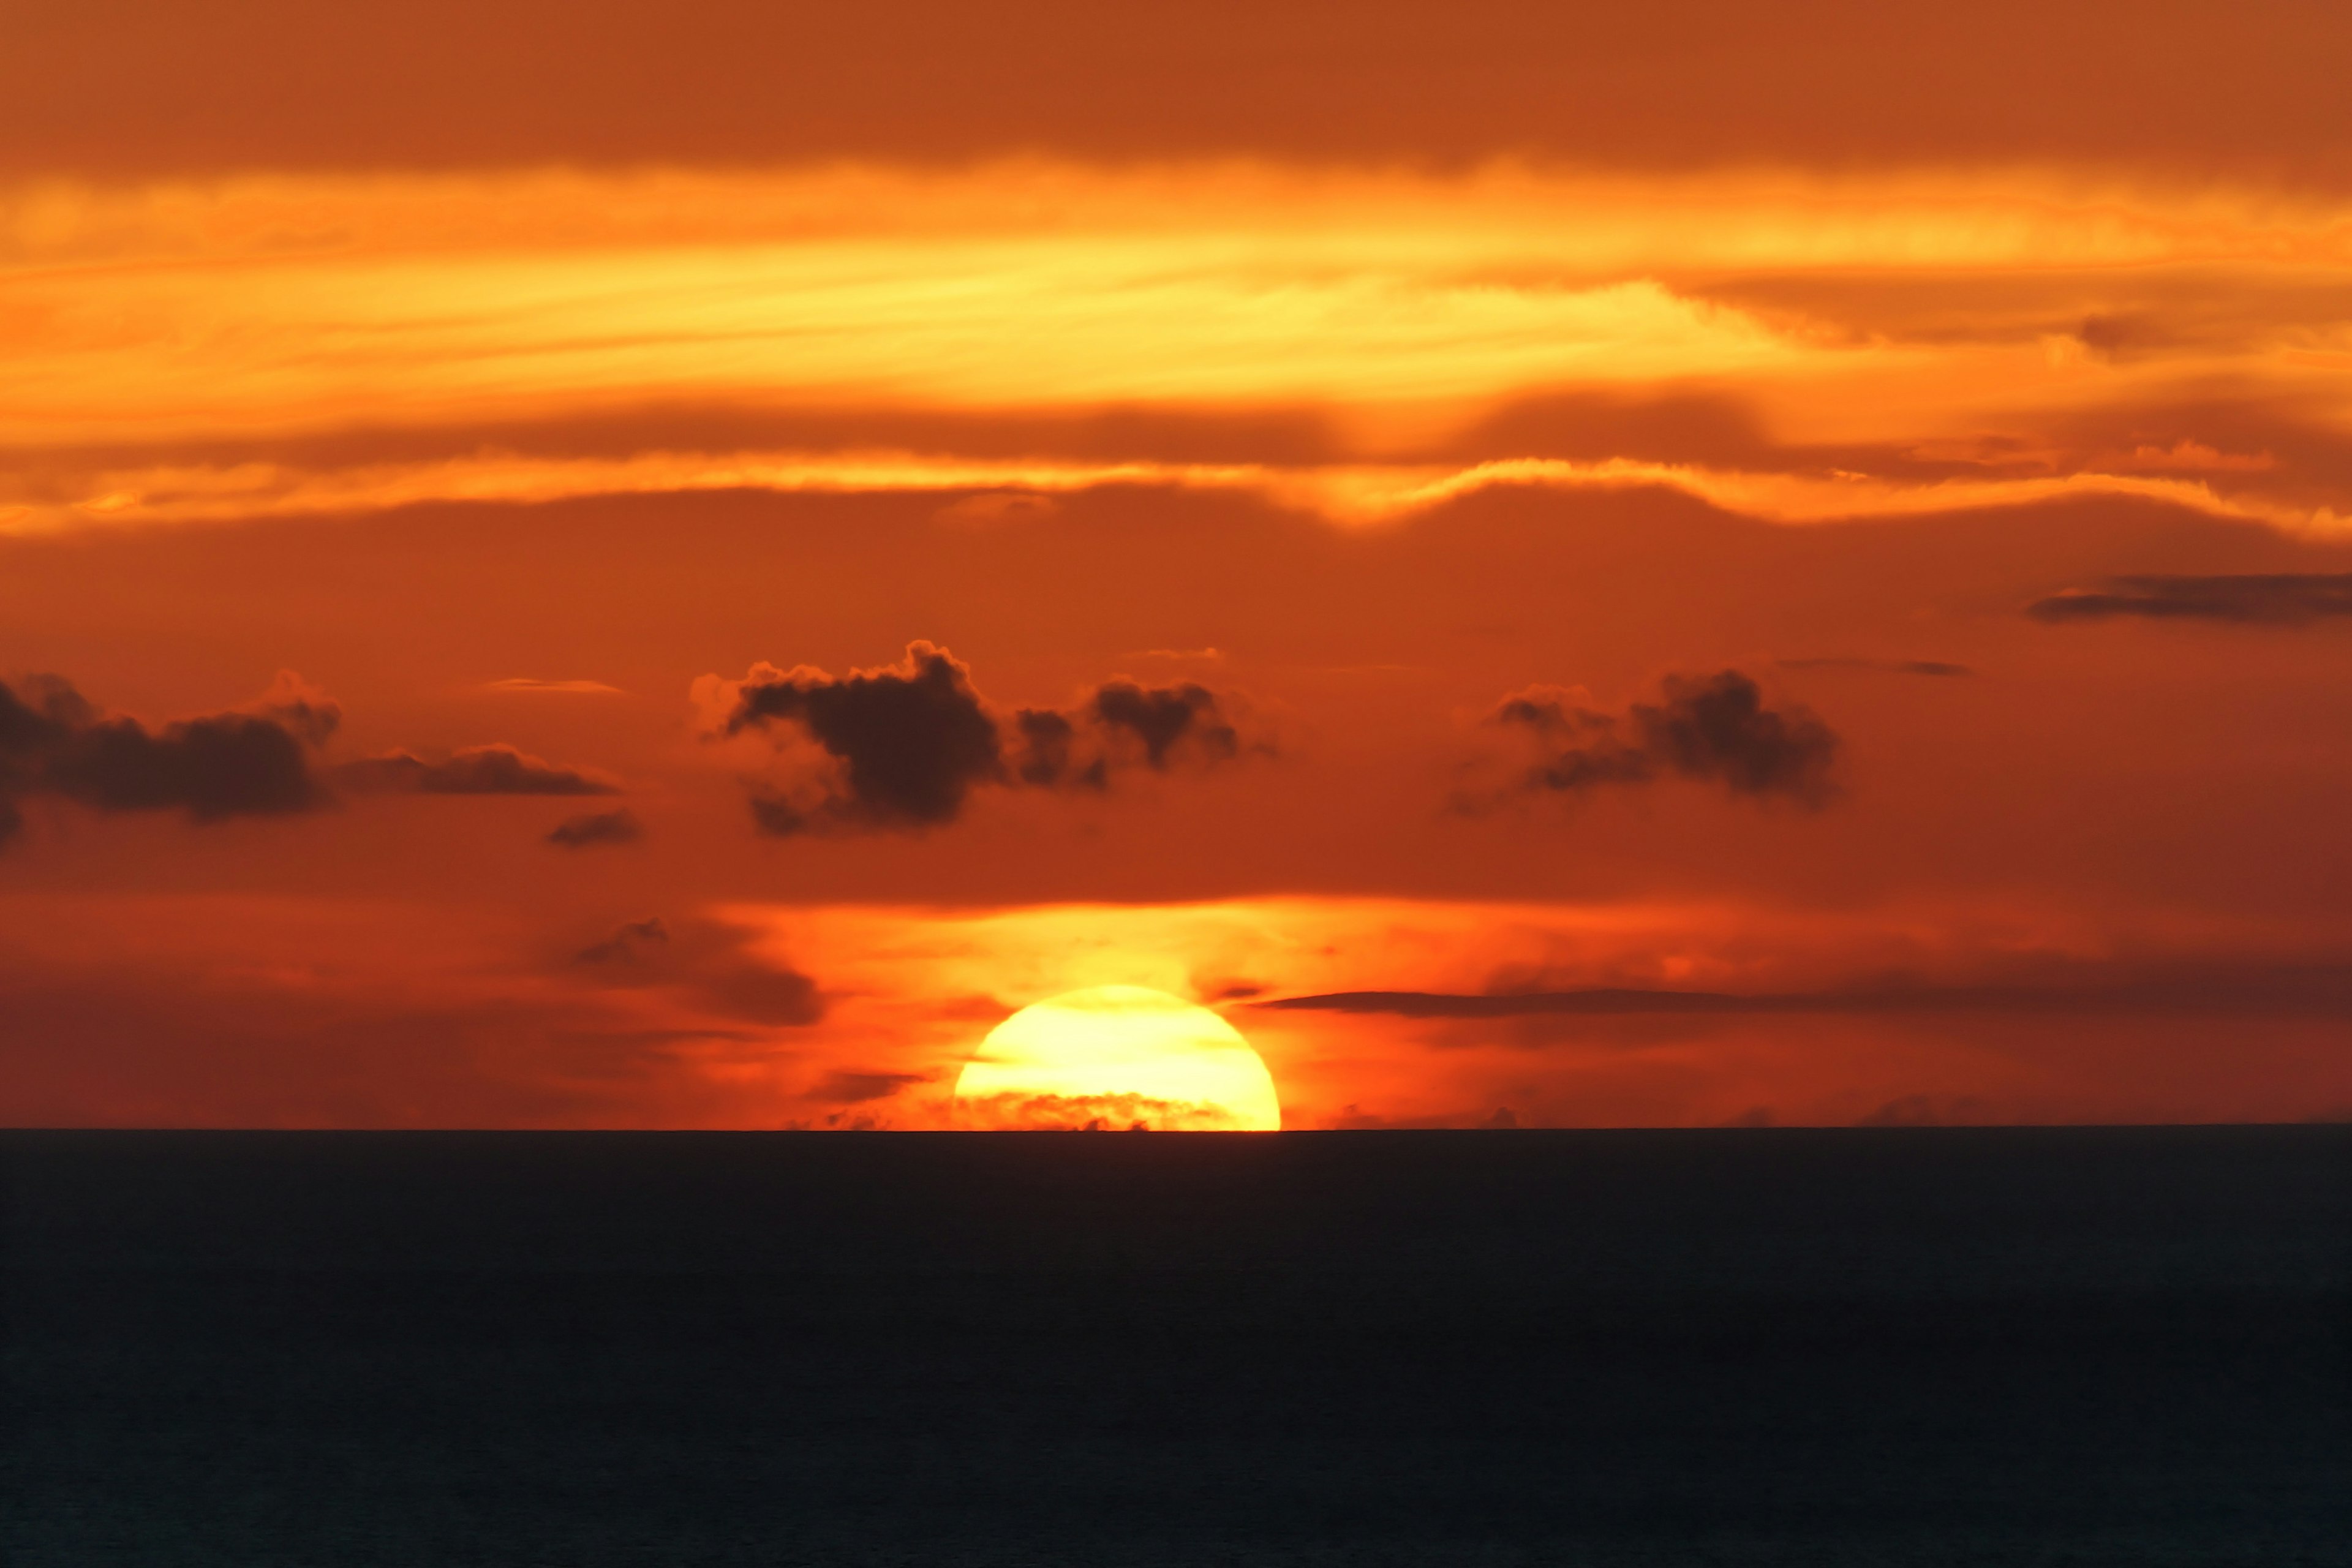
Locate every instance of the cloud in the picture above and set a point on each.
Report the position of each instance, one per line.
(569, 687)
(620, 826)
(1162, 718)
(1088, 1114)
(255, 761)
(1929, 667)
(2285, 599)
(910, 741)
(904, 746)
(1710, 728)
(2211, 989)
(473, 769)
(848, 1087)
(709, 965)
(628, 941)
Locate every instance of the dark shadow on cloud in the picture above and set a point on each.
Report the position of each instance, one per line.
(709, 965)
(597, 827)
(473, 769)
(904, 747)
(255, 761)
(1715, 729)
(2278, 598)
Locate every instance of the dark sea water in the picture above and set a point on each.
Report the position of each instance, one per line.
(2127, 1346)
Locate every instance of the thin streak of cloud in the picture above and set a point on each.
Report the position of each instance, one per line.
(524, 683)
(2278, 598)
(1929, 666)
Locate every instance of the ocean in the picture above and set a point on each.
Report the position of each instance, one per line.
(1867, 1346)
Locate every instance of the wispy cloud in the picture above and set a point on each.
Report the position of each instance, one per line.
(573, 687)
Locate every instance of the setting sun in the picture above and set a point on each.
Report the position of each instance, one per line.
(1121, 1057)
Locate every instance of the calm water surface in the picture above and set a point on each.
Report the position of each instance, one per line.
(1869, 1347)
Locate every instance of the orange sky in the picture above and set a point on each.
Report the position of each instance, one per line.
(1630, 568)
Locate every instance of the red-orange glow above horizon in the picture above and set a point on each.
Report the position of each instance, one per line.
(1783, 595)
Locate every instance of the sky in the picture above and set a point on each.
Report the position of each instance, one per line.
(1682, 565)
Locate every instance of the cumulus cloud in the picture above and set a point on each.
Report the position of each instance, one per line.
(252, 761)
(596, 827)
(1714, 728)
(473, 769)
(906, 743)
(711, 966)
(905, 746)
(1163, 718)
(2281, 598)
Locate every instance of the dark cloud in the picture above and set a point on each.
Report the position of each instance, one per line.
(254, 761)
(1929, 667)
(474, 770)
(1163, 718)
(2282, 598)
(2315, 990)
(905, 746)
(709, 965)
(862, 1088)
(1712, 728)
(596, 827)
(910, 741)
(628, 941)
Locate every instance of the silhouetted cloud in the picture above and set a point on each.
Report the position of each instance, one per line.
(1165, 717)
(620, 826)
(1712, 728)
(2279, 598)
(905, 746)
(910, 741)
(710, 965)
(474, 770)
(1929, 667)
(255, 761)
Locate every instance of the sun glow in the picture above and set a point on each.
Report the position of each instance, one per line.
(1117, 1056)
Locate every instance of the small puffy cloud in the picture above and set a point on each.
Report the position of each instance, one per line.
(1714, 729)
(473, 769)
(597, 827)
(2278, 598)
(904, 746)
(1162, 719)
(255, 761)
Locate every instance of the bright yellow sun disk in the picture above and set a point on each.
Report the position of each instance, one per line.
(1113, 1057)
